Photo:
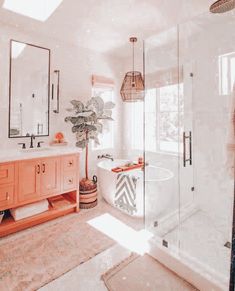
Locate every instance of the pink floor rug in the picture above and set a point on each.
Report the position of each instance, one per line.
(29, 261)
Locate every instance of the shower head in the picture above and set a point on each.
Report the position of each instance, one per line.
(222, 6)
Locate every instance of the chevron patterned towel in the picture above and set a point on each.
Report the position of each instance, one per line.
(125, 196)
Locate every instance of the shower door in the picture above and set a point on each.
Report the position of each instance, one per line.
(207, 58)
(189, 142)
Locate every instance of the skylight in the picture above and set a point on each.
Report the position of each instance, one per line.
(37, 9)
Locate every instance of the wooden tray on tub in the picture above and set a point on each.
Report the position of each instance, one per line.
(127, 168)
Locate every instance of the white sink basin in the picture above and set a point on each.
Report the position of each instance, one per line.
(35, 150)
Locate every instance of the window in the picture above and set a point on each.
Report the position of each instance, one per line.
(136, 125)
(163, 116)
(169, 116)
(151, 120)
(226, 73)
(106, 138)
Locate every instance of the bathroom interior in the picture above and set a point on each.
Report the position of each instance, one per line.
(117, 145)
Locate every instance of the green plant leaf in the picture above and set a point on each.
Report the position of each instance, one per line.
(99, 127)
(87, 119)
(109, 105)
(82, 144)
(96, 104)
(78, 105)
(108, 112)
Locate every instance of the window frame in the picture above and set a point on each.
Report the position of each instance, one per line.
(158, 111)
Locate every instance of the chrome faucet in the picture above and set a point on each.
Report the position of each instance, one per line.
(32, 137)
(106, 156)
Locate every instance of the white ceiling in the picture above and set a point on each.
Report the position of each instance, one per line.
(106, 25)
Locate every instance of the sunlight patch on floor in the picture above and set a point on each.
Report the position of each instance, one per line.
(136, 241)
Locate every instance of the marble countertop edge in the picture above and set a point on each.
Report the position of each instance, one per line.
(13, 155)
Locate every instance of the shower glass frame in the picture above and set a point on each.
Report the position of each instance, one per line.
(190, 54)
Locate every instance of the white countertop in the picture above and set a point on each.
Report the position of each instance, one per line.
(47, 151)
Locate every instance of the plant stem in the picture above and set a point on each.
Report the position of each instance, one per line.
(86, 161)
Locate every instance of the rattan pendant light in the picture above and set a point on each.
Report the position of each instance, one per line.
(132, 89)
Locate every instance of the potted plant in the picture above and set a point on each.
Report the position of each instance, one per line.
(87, 123)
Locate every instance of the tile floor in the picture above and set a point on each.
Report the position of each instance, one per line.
(77, 278)
(206, 244)
(87, 276)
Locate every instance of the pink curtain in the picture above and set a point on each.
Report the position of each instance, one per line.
(100, 81)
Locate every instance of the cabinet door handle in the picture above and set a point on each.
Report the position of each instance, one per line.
(38, 169)
(7, 196)
(70, 163)
(43, 168)
(70, 181)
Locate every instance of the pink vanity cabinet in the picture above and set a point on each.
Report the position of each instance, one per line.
(39, 178)
(26, 181)
(7, 185)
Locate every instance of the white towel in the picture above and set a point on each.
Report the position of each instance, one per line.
(125, 196)
(29, 210)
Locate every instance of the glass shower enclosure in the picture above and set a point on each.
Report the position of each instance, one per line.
(189, 142)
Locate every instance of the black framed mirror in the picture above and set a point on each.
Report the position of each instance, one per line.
(29, 90)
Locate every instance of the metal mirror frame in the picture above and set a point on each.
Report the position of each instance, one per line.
(10, 84)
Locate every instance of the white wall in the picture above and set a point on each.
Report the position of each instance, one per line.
(76, 65)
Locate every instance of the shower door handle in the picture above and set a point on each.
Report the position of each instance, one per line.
(189, 139)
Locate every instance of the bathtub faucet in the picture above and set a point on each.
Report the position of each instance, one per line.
(106, 156)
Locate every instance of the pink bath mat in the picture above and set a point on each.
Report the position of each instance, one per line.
(42, 254)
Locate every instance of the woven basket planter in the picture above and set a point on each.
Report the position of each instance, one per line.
(88, 193)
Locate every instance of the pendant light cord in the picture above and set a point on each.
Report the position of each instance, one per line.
(133, 57)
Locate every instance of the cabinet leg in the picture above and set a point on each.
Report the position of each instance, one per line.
(77, 199)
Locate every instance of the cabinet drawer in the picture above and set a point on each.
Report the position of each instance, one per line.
(6, 196)
(7, 173)
(69, 181)
(69, 163)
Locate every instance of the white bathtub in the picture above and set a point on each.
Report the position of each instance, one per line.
(154, 176)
